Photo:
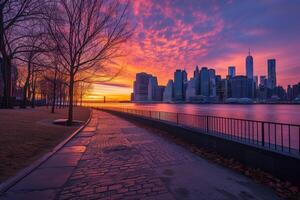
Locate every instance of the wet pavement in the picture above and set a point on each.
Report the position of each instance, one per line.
(115, 159)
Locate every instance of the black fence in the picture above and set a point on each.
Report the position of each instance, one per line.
(279, 137)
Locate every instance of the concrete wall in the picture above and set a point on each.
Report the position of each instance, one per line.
(283, 166)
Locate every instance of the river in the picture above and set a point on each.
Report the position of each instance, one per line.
(282, 113)
(276, 135)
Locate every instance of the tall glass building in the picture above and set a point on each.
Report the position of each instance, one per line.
(179, 77)
(152, 88)
(204, 82)
(249, 66)
(212, 83)
(272, 73)
(140, 86)
(231, 71)
(241, 87)
(263, 81)
(169, 92)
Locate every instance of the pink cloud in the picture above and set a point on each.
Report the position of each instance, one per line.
(196, 36)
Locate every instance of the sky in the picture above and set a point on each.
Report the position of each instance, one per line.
(180, 34)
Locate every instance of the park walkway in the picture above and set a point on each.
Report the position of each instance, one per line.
(115, 159)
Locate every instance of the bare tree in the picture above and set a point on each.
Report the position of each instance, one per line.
(37, 73)
(56, 80)
(88, 35)
(31, 57)
(81, 90)
(44, 88)
(14, 15)
(52, 73)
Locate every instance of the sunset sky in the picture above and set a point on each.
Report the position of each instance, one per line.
(173, 34)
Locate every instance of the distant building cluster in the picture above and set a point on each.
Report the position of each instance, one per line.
(146, 88)
(205, 87)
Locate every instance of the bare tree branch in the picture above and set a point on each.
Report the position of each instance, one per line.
(88, 35)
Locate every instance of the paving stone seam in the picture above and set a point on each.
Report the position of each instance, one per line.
(60, 190)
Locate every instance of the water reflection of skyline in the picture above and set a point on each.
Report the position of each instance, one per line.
(260, 112)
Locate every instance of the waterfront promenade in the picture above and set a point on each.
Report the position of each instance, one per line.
(115, 159)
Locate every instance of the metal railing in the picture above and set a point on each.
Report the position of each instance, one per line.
(279, 137)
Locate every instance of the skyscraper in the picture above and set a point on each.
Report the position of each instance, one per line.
(204, 82)
(184, 74)
(221, 88)
(197, 80)
(196, 71)
(168, 94)
(272, 73)
(179, 77)
(152, 88)
(159, 92)
(231, 71)
(191, 90)
(140, 87)
(212, 83)
(263, 81)
(289, 93)
(296, 91)
(249, 66)
(241, 87)
(255, 79)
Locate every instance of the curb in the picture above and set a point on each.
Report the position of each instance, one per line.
(6, 185)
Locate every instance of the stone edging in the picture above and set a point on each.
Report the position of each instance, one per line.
(6, 185)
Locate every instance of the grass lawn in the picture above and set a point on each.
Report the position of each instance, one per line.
(27, 134)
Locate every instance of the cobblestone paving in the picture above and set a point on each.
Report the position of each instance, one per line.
(118, 164)
(124, 161)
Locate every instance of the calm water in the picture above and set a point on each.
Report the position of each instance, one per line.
(282, 136)
(263, 112)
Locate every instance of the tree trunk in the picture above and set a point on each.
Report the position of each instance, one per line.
(33, 92)
(65, 98)
(6, 68)
(6, 71)
(71, 88)
(81, 96)
(29, 90)
(24, 102)
(33, 98)
(60, 96)
(54, 92)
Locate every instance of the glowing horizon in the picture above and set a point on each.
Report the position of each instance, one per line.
(177, 34)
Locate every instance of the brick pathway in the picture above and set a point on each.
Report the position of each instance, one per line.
(115, 159)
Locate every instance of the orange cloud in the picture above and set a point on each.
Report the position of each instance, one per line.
(176, 34)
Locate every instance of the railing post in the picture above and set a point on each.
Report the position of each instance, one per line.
(299, 140)
(207, 129)
(177, 119)
(263, 134)
(289, 138)
(158, 115)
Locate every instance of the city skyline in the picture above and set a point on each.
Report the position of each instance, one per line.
(249, 64)
(171, 35)
(149, 99)
(185, 87)
(207, 86)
